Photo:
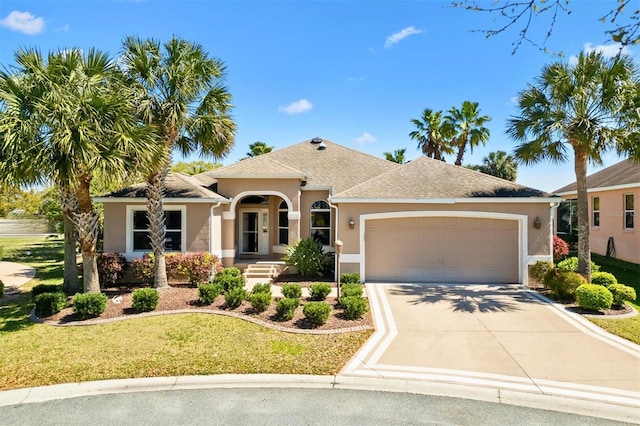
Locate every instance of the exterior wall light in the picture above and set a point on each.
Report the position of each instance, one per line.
(352, 223)
(537, 223)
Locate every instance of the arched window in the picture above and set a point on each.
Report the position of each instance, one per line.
(321, 222)
(283, 224)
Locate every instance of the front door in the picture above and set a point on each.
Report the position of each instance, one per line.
(254, 232)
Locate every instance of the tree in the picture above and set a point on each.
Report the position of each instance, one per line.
(397, 156)
(467, 125)
(194, 167)
(258, 148)
(498, 164)
(432, 135)
(589, 108)
(181, 94)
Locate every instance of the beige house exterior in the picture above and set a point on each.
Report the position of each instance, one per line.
(424, 221)
(614, 210)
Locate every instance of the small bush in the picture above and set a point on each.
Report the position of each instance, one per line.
(291, 291)
(142, 268)
(563, 283)
(231, 272)
(197, 267)
(260, 301)
(571, 264)
(603, 278)
(234, 297)
(89, 305)
(353, 307)
(347, 290)
(307, 257)
(1, 288)
(621, 293)
(145, 299)
(319, 291)
(350, 278)
(593, 296)
(560, 249)
(229, 282)
(111, 268)
(286, 308)
(45, 288)
(317, 312)
(261, 288)
(207, 293)
(47, 304)
(539, 269)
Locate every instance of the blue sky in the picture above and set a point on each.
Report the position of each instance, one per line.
(352, 72)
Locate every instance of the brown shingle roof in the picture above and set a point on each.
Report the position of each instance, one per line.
(260, 166)
(623, 173)
(177, 185)
(427, 178)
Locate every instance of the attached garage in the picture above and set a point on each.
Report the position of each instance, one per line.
(442, 249)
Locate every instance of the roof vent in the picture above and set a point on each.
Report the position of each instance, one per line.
(316, 140)
(322, 146)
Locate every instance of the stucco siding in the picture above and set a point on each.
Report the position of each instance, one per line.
(115, 238)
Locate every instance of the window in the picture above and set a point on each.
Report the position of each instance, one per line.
(321, 222)
(283, 224)
(629, 213)
(595, 203)
(140, 228)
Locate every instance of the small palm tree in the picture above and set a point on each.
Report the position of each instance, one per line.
(468, 127)
(258, 148)
(398, 156)
(498, 164)
(432, 135)
(588, 108)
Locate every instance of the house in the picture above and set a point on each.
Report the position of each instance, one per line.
(425, 221)
(614, 206)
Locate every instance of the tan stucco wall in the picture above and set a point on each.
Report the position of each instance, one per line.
(115, 227)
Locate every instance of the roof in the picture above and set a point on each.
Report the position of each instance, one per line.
(177, 185)
(263, 166)
(429, 178)
(625, 172)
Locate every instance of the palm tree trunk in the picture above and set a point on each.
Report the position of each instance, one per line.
(87, 223)
(70, 282)
(461, 149)
(584, 250)
(157, 229)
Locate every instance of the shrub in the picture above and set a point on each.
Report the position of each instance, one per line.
(45, 288)
(353, 307)
(89, 305)
(621, 293)
(307, 257)
(207, 293)
(197, 267)
(234, 297)
(319, 291)
(1, 288)
(347, 290)
(350, 278)
(593, 296)
(261, 288)
(603, 278)
(571, 264)
(260, 301)
(142, 268)
(563, 283)
(539, 269)
(286, 308)
(111, 267)
(291, 291)
(560, 248)
(47, 304)
(232, 272)
(317, 312)
(229, 282)
(145, 299)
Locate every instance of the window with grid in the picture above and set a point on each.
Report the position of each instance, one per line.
(321, 222)
(283, 224)
(629, 212)
(595, 203)
(173, 235)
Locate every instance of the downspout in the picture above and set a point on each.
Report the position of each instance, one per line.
(211, 208)
(337, 222)
(553, 207)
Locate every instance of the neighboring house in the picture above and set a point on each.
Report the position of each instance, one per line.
(424, 221)
(614, 210)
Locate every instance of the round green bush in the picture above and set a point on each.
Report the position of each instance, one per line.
(317, 312)
(319, 291)
(47, 304)
(571, 264)
(235, 297)
(291, 291)
(45, 288)
(230, 272)
(350, 278)
(89, 305)
(262, 288)
(1, 288)
(621, 293)
(562, 283)
(539, 269)
(207, 293)
(593, 296)
(145, 299)
(260, 301)
(353, 307)
(229, 281)
(286, 308)
(603, 278)
(347, 290)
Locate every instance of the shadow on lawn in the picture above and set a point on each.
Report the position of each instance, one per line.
(14, 314)
(471, 299)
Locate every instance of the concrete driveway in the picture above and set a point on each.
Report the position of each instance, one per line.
(499, 336)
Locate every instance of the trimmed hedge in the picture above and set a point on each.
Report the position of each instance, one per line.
(207, 293)
(286, 308)
(350, 278)
(539, 269)
(593, 296)
(621, 293)
(89, 305)
(571, 264)
(292, 291)
(317, 312)
(319, 291)
(145, 299)
(47, 304)
(1, 288)
(235, 297)
(347, 290)
(603, 278)
(261, 288)
(229, 282)
(46, 288)
(260, 301)
(563, 283)
(111, 267)
(353, 307)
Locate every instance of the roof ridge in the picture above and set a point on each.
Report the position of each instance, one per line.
(284, 165)
(188, 180)
(400, 166)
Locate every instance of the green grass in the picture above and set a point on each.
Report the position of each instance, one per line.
(38, 354)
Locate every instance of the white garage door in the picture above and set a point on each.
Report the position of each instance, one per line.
(441, 249)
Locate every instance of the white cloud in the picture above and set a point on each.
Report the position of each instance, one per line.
(514, 100)
(365, 138)
(297, 107)
(63, 29)
(23, 22)
(396, 37)
(607, 50)
(356, 78)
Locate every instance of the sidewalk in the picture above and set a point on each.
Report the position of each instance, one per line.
(14, 275)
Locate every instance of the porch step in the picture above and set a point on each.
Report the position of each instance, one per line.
(263, 270)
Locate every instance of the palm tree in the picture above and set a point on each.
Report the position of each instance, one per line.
(181, 94)
(588, 108)
(468, 127)
(498, 164)
(432, 136)
(194, 167)
(258, 148)
(397, 156)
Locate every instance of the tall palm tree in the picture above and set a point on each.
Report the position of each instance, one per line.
(432, 135)
(398, 156)
(182, 95)
(468, 127)
(258, 148)
(498, 164)
(588, 108)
